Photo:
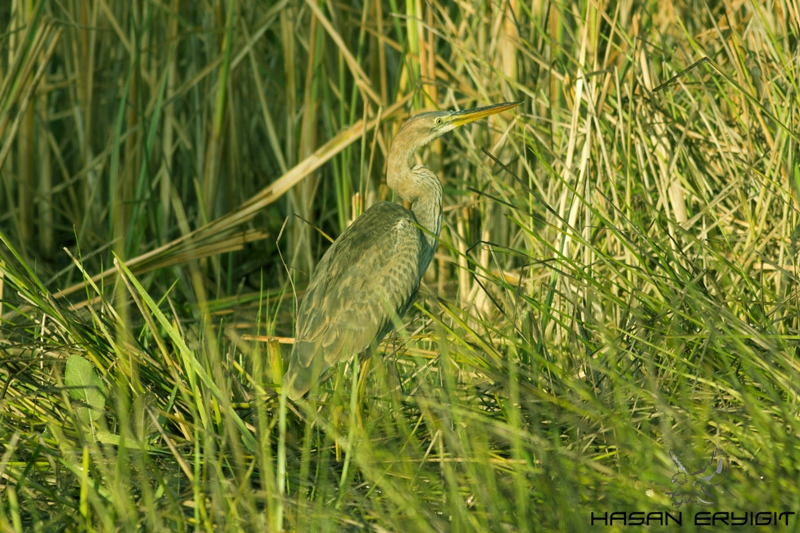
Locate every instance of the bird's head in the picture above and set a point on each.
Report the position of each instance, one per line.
(418, 131)
(421, 129)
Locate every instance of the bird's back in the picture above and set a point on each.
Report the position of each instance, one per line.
(368, 275)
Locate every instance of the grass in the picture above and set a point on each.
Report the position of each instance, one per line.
(615, 289)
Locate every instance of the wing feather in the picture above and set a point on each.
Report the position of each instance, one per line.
(371, 272)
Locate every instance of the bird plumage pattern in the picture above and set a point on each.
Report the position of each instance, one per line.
(373, 263)
(370, 275)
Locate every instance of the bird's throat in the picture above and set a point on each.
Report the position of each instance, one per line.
(419, 186)
(427, 209)
(428, 212)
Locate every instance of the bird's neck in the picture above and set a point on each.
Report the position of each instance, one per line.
(427, 206)
(419, 186)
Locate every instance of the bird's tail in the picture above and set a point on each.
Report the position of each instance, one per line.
(306, 365)
(297, 381)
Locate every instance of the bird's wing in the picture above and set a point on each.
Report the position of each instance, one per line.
(370, 273)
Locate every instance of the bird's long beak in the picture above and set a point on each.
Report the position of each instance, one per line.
(459, 118)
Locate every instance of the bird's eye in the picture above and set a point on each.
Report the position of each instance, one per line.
(438, 121)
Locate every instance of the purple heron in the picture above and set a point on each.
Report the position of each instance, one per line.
(371, 273)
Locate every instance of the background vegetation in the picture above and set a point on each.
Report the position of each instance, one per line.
(616, 280)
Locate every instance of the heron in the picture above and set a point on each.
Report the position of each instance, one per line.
(370, 275)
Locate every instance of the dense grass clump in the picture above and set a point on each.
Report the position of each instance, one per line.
(612, 314)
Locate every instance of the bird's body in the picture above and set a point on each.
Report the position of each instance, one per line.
(362, 284)
(371, 273)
